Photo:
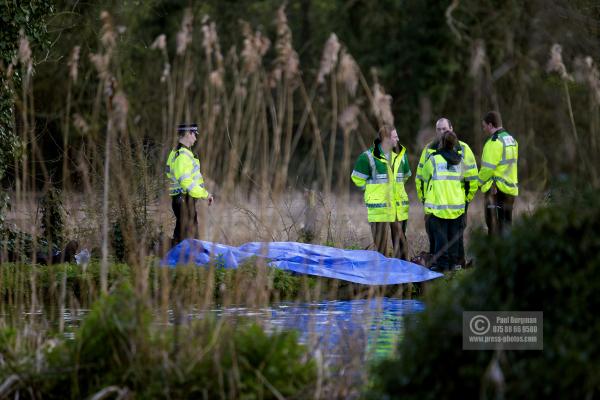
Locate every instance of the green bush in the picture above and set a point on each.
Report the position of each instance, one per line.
(16, 245)
(15, 280)
(549, 263)
(119, 345)
(53, 218)
(31, 18)
(243, 362)
(118, 242)
(83, 284)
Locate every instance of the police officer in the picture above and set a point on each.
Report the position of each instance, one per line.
(498, 174)
(444, 201)
(381, 172)
(469, 169)
(186, 184)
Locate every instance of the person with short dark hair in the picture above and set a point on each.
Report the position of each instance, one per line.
(498, 176)
(381, 172)
(493, 118)
(469, 169)
(186, 184)
(444, 201)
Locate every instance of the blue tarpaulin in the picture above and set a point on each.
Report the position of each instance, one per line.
(359, 266)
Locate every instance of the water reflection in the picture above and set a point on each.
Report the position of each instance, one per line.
(337, 328)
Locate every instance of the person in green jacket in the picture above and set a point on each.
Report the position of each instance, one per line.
(186, 184)
(469, 167)
(444, 201)
(381, 171)
(498, 175)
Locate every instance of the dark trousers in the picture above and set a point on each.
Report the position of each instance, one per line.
(446, 236)
(429, 233)
(461, 239)
(381, 232)
(498, 211)
(186, 225)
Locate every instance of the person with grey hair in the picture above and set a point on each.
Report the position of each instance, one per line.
(470, 183)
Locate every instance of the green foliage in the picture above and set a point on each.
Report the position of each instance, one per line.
(306, 235)
(14, 17)
(423, 51)
(118, 344)
(113, 337)
(30, 16)
(127, 229)
(14, 245)
(237, 285)
(15, 280)
(274, 359)
(285, 283)
(118, 241)
(4, 204)
(549, 263)
(20, 246)
(53, 225)
(8, 141)
(280, 284)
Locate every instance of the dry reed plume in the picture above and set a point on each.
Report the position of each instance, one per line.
(269, 130)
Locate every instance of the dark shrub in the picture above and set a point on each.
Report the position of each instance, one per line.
(549, 263)
(53, 219)
(120, 347)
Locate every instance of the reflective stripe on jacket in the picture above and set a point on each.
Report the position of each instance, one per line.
(383, 182)
(183, 171)
(469, 168)
(499, 163)
(444, 193)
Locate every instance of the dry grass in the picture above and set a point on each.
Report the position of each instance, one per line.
(255, 116)
(270, 132)
(341, 221)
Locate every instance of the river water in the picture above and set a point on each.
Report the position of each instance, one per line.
(338, 327)
(369, 329)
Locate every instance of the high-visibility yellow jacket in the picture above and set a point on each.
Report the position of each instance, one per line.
(444, 187)
(469, 168)
(383, 182)
(499, 163)
(183, 171)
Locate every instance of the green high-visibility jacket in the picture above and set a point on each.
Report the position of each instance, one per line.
(383, 182)
(469, 168)
(183, 171)
(499, 163)
(444, 187)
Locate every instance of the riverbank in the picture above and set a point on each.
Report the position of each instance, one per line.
(252, 284)
(192, 325)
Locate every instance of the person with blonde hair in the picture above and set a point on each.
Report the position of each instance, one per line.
(381, 171)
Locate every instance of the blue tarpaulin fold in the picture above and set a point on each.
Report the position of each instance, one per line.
(359, 266)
